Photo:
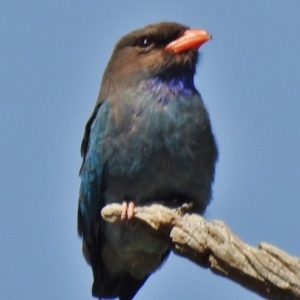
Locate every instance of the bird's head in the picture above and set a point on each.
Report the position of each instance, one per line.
(164, 50)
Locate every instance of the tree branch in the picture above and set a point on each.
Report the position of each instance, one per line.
(267, 270)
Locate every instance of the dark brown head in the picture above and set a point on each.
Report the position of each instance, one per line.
(162, 50)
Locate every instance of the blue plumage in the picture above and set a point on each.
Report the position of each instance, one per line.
(149, 138)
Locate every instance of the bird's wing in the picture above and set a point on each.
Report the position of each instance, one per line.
(91, 195)
(91, 201)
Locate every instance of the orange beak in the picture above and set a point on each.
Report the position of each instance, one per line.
(191, 39)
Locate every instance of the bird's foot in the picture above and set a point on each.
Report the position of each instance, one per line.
(127, 210)
(184, 208)
(127, 214)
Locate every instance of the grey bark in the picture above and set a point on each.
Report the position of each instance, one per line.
(266, 270)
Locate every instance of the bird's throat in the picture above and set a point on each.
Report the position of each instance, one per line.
(177, 86)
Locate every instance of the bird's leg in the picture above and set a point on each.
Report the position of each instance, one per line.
(128, 213)
(124, 210)
(184, 208)
(130, 210)
(127, 210)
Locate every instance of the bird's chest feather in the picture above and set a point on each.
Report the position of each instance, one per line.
(152, 142)
(152, 149)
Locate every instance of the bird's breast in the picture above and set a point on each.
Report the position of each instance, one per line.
(154, 149)
(153, 144)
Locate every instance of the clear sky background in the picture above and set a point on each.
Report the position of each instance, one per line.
(52, 56)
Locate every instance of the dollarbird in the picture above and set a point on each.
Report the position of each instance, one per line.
(149, 137)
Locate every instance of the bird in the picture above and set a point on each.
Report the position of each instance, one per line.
(149, 137)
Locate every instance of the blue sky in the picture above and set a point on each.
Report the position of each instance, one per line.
(52, 57)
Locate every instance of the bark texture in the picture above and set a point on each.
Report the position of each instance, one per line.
(266, 270)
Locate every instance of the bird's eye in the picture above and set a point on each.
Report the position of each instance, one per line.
(144, 42)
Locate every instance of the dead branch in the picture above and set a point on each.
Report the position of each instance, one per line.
(267, 270)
